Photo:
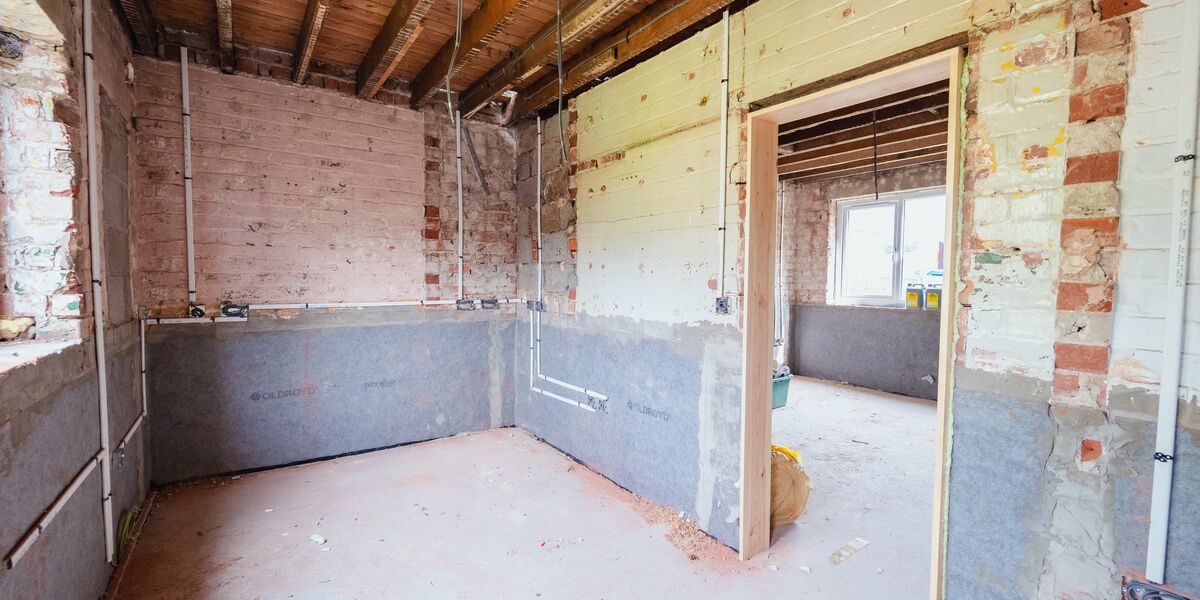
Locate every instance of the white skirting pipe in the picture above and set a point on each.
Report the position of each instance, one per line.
(26, 542)
(304, 305)
(723, 183)
(535, 317)
(187, 173)
(194, 321)
(1181, 218)
(93, 192)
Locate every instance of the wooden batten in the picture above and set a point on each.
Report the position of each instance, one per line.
(314, 18)
(633, 38)
(141, 25)
(538, 55)
(225, 34)
(399, 32)
(478, 30)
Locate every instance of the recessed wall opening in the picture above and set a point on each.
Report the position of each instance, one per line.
(855, 181)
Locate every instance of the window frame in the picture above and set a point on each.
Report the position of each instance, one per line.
(897, 200)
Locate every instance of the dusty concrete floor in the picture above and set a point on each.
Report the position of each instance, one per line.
(870, 457)
(500, 515)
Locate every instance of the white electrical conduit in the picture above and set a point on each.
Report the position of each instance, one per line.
(93, 191)
(535, 317)
(722, 190)
(137, 423)
(1181, 218)
(187, 174)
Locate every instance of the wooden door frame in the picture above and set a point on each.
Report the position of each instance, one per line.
(762, 182)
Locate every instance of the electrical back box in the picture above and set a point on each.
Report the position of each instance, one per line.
(914, 297)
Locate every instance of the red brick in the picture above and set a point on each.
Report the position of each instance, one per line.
(573, 245)
(1090, 450)
(1107, 101)
(1092, 168)
(1099, 225)
(1079, 357)
(1116, 8)
(1105, 35)
(432, 212)
(432, 278)
(1065, 384)
(1085, 297)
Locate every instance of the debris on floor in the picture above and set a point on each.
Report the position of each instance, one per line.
(851, 547)
(790, 485)
(317, 539)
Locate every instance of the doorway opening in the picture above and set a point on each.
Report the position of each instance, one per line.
(852, 202)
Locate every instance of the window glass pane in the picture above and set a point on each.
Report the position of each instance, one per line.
(867, 237)
(924, 228)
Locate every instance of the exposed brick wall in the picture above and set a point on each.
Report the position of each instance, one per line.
(38, 186)
(808, 227)
(559, 246)
(489, 240)
(44, 262)
(304, 194)
(300, 194)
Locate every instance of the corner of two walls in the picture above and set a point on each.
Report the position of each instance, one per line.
(309, 195)
(49, 424)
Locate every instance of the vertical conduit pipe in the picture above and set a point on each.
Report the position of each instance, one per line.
(186, 113)
(97, 267)
(1181, 217)
(458, 171)
(722, 190)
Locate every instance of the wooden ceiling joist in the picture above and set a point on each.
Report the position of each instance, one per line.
(399, 31)
(639, 34)
(141, 25)
(581, 21)
(314, 17)
(940, 88)
(920, 157)
(478, 30)
(820, 160)
(865, 142)
(225, 34)
(909, 112)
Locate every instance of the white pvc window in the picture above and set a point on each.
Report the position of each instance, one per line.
(887, 244)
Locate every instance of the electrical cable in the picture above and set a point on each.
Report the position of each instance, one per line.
(562, 138)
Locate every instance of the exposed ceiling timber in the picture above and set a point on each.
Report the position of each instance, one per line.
(632, 38)
(478, 30)
(314, 17)
(225, 34)
(399, 31)
(141, 25)
(866, 131)
(581, 21)
(905, 145)
(903, 97)
(927, 105)
(917, 158)
(865, 142)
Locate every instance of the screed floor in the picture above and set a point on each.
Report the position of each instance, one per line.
(500, 515)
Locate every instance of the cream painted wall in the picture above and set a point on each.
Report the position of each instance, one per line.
(647, 209)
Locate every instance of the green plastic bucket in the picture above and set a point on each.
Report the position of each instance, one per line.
(779, 391)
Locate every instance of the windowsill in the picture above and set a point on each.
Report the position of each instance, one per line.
(17, 354)
(883, 307)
